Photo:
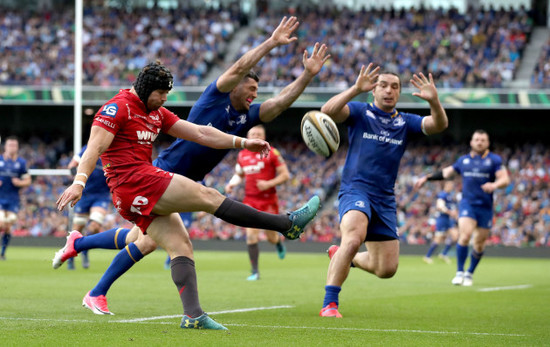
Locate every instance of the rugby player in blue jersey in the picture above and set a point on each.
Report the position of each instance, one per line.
(445, 222)
(226, 104)
(13, 177)
(482, 173)
(92, 208)
(378, 134)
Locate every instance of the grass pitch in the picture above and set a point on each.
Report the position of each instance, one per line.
(509, 303)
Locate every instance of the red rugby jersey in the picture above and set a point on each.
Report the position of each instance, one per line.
(256, 168)
(135, 131)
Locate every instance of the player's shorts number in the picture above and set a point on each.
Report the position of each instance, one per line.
(137, 203)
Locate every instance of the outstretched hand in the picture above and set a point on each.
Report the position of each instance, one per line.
(427, 90)
(257, 145)
(367, 79)
(282, 33)
(71, 195)
(318, 58)
(420, 182)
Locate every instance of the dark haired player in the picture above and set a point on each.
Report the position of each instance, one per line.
(482, 173)
(378, 134)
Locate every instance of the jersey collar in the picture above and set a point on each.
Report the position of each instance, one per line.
(483, 156)
(382, 113)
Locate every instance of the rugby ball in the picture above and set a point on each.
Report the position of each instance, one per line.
(320, 133)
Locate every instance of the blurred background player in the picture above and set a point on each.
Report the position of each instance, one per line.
(378, 134)
(262, 176)
(226, 104)
(13, 177)
(446, 216)
(92, 208)
(482, 173)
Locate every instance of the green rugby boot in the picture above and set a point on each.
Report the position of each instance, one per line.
(201, 322)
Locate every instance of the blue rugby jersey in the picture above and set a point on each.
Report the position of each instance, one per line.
(9, 169)
(96, 183)
(377, 143)
(213, 108)
(477, 170)
(449, 203)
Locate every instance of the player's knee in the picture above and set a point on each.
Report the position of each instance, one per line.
(351, 243)
(387, 271)
(210, 197)
(146, 245)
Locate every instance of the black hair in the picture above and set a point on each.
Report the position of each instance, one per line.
(252, 74)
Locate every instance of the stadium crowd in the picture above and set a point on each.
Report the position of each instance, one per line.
(541, 75)
(522, 210)
(38, 48)
(479, 48)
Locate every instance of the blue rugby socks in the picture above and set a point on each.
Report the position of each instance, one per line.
(461, 255)
(475, 258)
(331, 295)
(5, 241)
(431, 249)
(109, 239)
(123, 261)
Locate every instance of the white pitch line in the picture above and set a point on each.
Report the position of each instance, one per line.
(494, 289)
(373, 330)
(211, 313)
(275, 326)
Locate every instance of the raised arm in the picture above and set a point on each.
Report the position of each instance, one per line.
(273, 107)
(337, 108)
(281, 36)
(437, 121)
(99, 142)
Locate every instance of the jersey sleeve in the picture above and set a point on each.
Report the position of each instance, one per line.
(277, 158)
(168, 119)
(23, 170)
(457, 166)
(414, 123)
(111, 117)
(254, 114)
(497, 163)
(355, 108)
(211, 96)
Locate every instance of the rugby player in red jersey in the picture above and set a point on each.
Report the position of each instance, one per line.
(122, 134)
(261, 175)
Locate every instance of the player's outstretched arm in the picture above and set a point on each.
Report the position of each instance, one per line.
(281, 36)
(437, 121)
(99, 142)
(337, 108)
(211, 137)
(444, 174)
(273, 107)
